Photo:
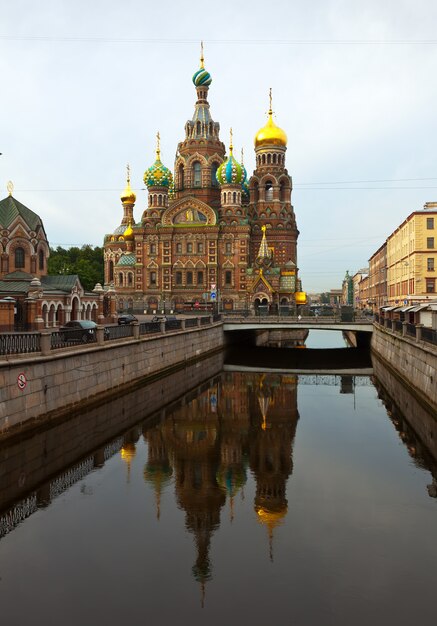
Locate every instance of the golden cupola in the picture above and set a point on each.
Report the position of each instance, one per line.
(270, 134)
(128, 195)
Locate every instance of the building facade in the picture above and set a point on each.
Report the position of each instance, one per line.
(208, 233)
(412, 258)
(29, 297)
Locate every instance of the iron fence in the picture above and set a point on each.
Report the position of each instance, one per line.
(19, 343)
(411, 330)
(147, 328)
(119, 332)
(429, 335)
(191, 322)
(397, 326)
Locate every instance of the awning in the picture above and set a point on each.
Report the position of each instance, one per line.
(433, 307)
(419, 307)
(389, 308)
(404, 309)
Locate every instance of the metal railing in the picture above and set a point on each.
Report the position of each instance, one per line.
(411, 330)
(191, 322)
(20, 343)
(147, 328)
(119, 332)
(429, 335)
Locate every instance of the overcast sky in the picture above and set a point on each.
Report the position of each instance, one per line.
(87, 84)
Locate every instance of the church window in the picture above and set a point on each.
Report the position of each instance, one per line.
(153, 278)
(282, 191)
(274, 159)
(269, 159)
(255, 192)
(19, 258)
(160, 200)
(198, 128)
(264, 159)
(197, 180)
(200, 248)
(120, 279)
(189, 248)
(130, 279)
(181, 176)
(268, 191)
(214, 181)
(234, 197)
(200, 277)
(189, 278)
(178, 278)
(228, 278)
(153, 248)
(228, 247)
(111, 271)
(179, 248)
(41, 259)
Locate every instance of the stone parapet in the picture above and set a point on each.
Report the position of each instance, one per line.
(35, 386)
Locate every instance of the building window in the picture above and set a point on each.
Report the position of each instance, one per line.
(228, 278)
(430, 242)
(181, 176)
(120, 280)
(430, 285)
(153, 248)
(19, 258)
(130, 279)
(179, 248)
(200, 248)
(189, 248)
(430, 264)
(153, 278)
(228, 247)
(268, 191)
(430, 223)
(197, 180)
(214, 180)
(189, 278)
(111, 271)
(41, 259)
(178, 278)
(200, 277)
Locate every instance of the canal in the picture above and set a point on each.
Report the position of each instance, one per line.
(251, 498)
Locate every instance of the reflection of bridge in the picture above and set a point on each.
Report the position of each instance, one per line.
(285, 323)
(319, 376)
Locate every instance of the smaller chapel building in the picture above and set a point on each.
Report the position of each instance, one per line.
(30, 299)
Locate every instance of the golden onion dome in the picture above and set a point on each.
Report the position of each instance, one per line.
(128, 233)
(270, 134)
(128, 195)
(300, 297)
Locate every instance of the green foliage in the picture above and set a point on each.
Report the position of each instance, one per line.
(324, 298)
(86, 262)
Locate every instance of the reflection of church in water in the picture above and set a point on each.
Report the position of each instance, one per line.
(245, 422)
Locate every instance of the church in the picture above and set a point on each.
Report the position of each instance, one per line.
(209, 234)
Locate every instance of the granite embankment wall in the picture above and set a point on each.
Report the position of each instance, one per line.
(28, 461)
(73, 376)
(414, 362)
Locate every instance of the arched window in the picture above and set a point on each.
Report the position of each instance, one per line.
(120, 279)
(189, 248)
(198, 128)
(234, 197)
(130, 279)
(228, 278)
(178, 278)
(153, 278)
(200, 277)
(268, 191)
(153, 248)
(189, 278)
(282, 191)
(41, 259)
(255, 192)
(160, 200)
(19, 258)
(179, 248)
(197, 179)
(181, 176)
(269, 159)
(111, 271)
(274, 159)
(214, 180)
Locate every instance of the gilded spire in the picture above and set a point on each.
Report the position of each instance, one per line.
(270, 98)
(231, 147)
(202, 59)
(242, 155)
(263, 252)
(10, 187)
(158, 146)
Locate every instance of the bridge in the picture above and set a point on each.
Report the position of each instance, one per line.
(286, 323)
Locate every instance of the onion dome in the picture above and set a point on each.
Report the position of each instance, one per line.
(128, 195)
(202, 78)
(270, 134)
(158, 175)
(128, 233)
(230, 171)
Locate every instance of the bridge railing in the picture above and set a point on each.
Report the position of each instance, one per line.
(19, 343)
(406, 329)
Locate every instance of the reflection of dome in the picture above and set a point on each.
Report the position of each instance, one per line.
(271, 518)
(158, 474)
(128, 452)
(231, 479)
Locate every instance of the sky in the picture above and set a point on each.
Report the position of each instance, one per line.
(87, 85)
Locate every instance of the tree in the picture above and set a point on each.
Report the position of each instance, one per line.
(86, 262)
